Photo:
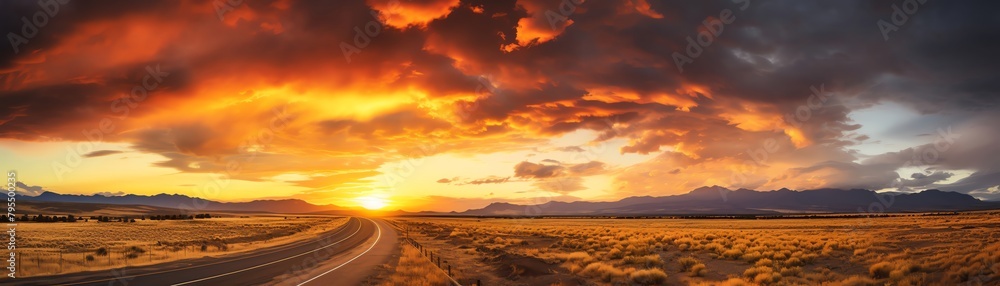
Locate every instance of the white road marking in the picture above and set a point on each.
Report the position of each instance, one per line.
(352, 259)
(269, 263)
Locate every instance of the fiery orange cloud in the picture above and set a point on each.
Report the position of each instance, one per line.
(401, 14)
(524, 81)
(545, 21)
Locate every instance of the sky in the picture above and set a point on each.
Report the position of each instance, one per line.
(449, 105)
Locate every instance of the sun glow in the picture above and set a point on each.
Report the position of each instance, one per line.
(372, 203)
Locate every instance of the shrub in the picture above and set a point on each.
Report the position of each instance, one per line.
(647, 261)
(698, 270)
(734, 282)
(880, 270)
(605, 272)
(648, 277)
(579, 256)
(684, 240)
(751, 256)
(631, 249)
(791, 271)
(714, 246)
(764, 262)
(767, 278)
(687, 263)
(134, 252)
(793, 262)
(754, 271)
(101, 251)
(857, 281)
(90, 257)
(616, 253)
(827, 250)
(732, 253)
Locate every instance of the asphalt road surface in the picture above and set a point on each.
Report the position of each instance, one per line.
(344, 256)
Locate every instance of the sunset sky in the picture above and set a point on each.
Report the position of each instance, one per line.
(449, 105)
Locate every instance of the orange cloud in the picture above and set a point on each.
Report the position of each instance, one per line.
(466, 78)
(401, 14)
(545, 21)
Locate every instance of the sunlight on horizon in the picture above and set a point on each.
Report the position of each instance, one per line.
(372, 202)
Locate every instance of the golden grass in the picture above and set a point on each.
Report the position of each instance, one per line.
(648, 277)
(918, 250)
(603, 272)
(54, 248)
(414, 269)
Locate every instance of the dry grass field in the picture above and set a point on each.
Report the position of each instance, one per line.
(415, 270)
(959, 249)
(51, 248)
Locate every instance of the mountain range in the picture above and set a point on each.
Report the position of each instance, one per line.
(712, 200)
(719, 200)
(183, 202)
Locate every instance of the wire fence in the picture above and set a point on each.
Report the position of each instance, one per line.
(435, 258)
(438, 260)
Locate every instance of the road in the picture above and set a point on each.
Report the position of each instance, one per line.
(344, 256)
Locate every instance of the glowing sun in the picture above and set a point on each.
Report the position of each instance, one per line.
(372, 203)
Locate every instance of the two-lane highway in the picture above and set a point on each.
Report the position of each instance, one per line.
(347, 255)
(355, 265)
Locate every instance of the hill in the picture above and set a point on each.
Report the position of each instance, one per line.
(183, 202)
(717, 200)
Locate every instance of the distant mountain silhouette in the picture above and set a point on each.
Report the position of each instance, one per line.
(712, 200)
(719, 200)
(188, 203)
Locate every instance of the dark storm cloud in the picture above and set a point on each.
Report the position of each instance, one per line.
(921, 180)
(980, 184)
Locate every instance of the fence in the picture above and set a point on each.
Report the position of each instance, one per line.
(436, 259)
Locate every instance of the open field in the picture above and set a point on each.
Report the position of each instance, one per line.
(414, 269)
(51, 248)
(62, 208)
(906, 250)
